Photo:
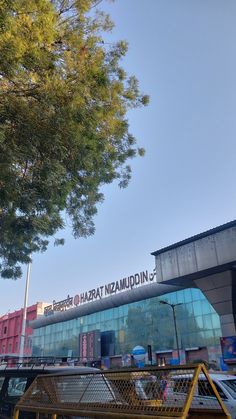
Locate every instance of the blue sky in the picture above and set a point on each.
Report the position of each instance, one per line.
(183, 53)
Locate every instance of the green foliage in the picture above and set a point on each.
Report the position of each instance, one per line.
(157, 327)
(63, 127)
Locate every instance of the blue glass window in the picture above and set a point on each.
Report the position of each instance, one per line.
(138, 323)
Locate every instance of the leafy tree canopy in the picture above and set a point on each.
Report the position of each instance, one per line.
(63, 127)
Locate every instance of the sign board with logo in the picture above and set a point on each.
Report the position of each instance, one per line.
(228, 346)
(90, 346)
(139, 354)
(115, 287)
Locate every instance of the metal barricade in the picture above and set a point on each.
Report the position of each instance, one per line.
(153, 392)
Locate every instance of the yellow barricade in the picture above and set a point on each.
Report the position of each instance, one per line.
(153, 392)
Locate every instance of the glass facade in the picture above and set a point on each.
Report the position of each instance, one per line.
(139, 323)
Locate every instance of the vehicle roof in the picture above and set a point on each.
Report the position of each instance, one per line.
(216, 375)
(50, 369)
(72, 370)
(222, 376)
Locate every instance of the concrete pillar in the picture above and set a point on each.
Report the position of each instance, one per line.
(220, 290)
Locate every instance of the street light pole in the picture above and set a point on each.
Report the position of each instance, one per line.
(175, 324)
(22, 337)
(176, 333)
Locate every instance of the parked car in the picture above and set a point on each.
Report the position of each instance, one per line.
(204, 395)
(15, 381)
(99, 392)
(144, 388)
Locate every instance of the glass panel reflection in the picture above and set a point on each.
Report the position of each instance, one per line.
(139, 323)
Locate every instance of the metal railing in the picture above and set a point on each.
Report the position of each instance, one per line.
(7, 362)
(168, 392)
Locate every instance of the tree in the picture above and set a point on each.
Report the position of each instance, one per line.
(153, 331)
(63, 128)
(154, 319)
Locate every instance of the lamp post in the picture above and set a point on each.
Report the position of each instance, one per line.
(22, 337)
(175, 325)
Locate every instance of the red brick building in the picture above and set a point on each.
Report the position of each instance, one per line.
(11, 327)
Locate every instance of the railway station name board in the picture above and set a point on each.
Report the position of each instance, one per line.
(112, 288)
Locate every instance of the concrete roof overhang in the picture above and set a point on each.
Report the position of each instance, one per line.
(204, 254)
(196, 237)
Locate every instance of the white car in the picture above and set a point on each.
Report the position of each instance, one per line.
(204, 396)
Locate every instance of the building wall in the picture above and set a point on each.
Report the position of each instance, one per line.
(11, 327)
(139, 323)
(208, 261)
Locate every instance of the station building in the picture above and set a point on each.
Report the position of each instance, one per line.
(193, 280)
(11, 330)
